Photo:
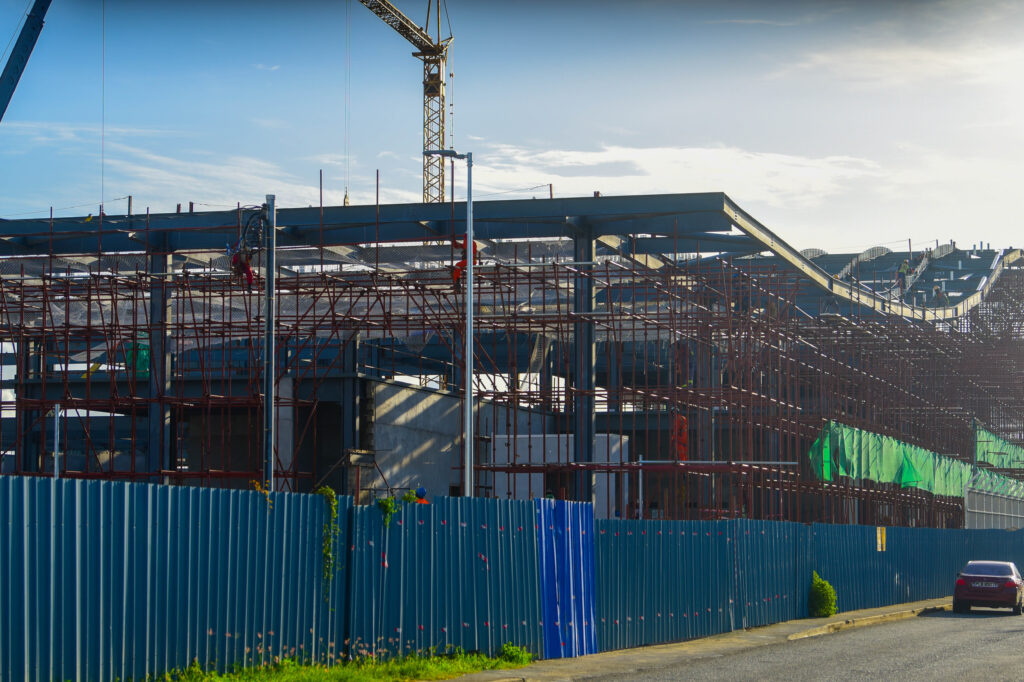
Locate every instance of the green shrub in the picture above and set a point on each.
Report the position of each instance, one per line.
(822, 601)
(510, 653)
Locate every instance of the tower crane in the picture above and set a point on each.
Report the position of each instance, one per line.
(434, 55)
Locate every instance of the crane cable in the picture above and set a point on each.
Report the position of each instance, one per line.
(103, 103)
(451, 80)
(14, 33)
(348, 92)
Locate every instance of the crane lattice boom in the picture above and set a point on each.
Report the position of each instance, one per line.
(434, 55)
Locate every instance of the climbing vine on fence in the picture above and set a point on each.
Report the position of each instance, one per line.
(330, 536)
(389, 505)
(263, 490)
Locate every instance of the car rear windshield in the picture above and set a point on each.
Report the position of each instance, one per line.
(987, 568)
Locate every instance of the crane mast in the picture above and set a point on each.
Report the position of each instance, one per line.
(434, 55)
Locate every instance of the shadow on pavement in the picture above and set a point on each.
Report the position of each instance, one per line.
(973, 613)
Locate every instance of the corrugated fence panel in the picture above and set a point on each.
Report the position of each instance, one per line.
(107, 580)
(771, 565)
(663, 581)
(916, 563)
(565, 532)
(846, 556)
(455, 573)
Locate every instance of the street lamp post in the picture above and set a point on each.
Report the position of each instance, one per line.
(467, 483)
(269, 352)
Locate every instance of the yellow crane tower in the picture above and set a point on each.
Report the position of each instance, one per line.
(434, 55)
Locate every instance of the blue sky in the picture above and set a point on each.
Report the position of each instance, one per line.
(841, 125)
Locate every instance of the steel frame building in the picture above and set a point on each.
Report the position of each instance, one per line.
(643, 346)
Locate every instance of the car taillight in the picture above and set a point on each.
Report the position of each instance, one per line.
(1010, 583)
(961, 581)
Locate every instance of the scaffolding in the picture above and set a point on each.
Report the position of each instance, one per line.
(689, 384)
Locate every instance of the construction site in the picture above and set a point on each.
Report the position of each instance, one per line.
(643, 352)
(664, 356)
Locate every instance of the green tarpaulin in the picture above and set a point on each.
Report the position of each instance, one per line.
(843, 451)
(991, 449)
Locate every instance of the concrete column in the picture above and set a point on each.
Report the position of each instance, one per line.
(159, 426)
(284, 434)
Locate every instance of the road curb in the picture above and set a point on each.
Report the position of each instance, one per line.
(836, 626)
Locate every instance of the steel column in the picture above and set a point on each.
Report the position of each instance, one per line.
(159, 384)
(584, 368)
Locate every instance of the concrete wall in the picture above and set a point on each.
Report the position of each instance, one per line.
(418, 437)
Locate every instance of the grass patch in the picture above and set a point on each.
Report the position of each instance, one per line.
(412, 667)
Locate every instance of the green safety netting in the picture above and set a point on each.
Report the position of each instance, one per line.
(844, 451)
(991, 449)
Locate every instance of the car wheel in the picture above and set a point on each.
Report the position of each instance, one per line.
(1017, 610)
(958, 606)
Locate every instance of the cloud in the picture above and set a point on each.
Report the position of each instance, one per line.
(802, 20)
(836, 202)
(896, 65)
(764, 22)
(270, 123)
(162, 181)
(264, 67)
(926, 43)
(330, 159)
(772, 178)
(43, 132)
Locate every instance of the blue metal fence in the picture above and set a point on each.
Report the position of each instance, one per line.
(106, 580)
(918, 563)
(665, 581)
(455, 573)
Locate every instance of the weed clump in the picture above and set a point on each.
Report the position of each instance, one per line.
(517, 655)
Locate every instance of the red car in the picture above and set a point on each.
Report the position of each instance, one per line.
(988, 583)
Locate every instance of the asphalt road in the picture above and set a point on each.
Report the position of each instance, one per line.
(982, 645)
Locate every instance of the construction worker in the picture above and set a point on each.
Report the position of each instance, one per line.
(941, 300)
(240, 266)
(421, 495)
(460, 267)
(901, 275)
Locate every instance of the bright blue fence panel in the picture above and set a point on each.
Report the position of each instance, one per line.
(565, 533)
(456, 573)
